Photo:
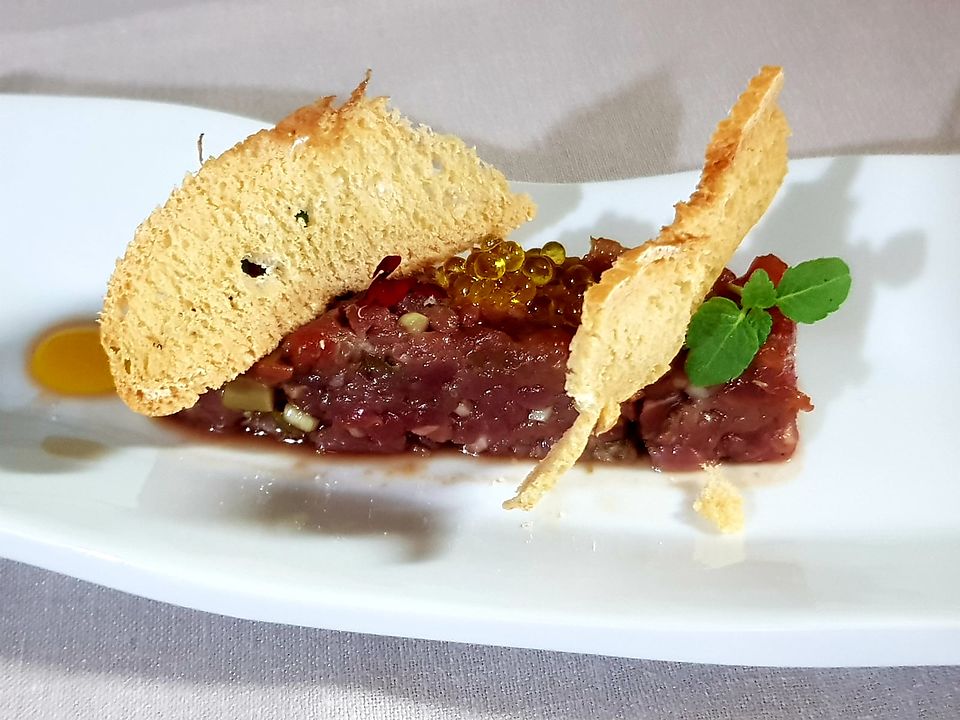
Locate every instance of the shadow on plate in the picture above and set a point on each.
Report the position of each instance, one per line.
(63, 436)
(337, 499)
(814, 219)
(268, 486)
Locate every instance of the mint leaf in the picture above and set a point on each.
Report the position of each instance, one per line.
(761, 322)
(722, 342)
(812, 290)
(758, 291)
(723, 337)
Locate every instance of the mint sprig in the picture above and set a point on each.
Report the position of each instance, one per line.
(758, 291)
(724, 337)
(814, 289)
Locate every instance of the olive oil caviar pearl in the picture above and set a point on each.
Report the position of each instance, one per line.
(499, 275)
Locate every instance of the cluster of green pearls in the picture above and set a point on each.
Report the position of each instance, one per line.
(501, 276)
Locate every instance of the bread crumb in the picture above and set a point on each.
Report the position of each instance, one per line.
(720, 502)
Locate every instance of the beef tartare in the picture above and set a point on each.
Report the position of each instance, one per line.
(473, 355)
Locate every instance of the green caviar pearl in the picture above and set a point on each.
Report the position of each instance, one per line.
(481, 291)
(571, 313)
(518, 287)
(577, 276)
(461, 287)
(512, 255)
(454, 265)
(539, 269)
(555, 252)
(540, 308)
(470, 264)
(489, 266)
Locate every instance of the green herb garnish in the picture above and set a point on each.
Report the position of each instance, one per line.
(724, 337)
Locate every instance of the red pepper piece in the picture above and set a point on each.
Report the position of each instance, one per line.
(384, 291)
(774, 266)
(387, 292)
(386, 266)
(271, 370)
(314, 342)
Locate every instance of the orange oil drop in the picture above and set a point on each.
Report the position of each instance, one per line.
(69, 360)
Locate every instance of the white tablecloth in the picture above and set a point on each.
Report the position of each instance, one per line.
(548, 91)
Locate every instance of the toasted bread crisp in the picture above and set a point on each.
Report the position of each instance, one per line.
(635, 319)
(263, 237)
(720, 502)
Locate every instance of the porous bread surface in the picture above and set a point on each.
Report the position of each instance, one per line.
(316, 202)
(635, 318)
(720, 502)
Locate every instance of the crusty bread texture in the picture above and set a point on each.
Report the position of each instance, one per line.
(720, 502)
(635, 319)
(263, 237)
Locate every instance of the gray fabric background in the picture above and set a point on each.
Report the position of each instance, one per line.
(549, 91)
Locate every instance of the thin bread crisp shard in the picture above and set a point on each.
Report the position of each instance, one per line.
(635, 319)
(263, 237)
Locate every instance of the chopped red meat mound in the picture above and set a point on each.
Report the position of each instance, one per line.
(374, 377)
(750, 419)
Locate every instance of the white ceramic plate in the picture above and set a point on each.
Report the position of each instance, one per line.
(851, 552)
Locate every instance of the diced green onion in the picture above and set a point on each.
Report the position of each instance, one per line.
(246, 394)
(299, 419)
(414, 322)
